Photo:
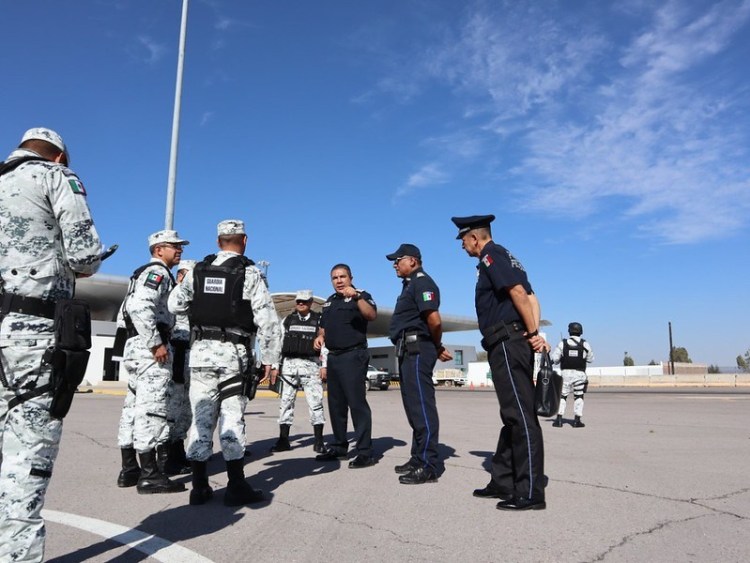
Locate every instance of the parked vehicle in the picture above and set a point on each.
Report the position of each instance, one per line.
(449, 377)
(377, 378)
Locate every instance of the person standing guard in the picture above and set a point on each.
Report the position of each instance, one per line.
(506, 318)
(147, 361)
(47, 239)
(343, 330)
(227, 301)
(300, 369)
(573, 354)
(417, 331)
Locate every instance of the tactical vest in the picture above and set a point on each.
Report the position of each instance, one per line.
(217, 299)
(130, 329)
(573, 357)
(300, 336)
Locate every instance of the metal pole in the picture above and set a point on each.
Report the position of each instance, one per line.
(169, 217)
(671, 349)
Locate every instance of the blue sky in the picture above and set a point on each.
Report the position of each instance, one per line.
(610, 139)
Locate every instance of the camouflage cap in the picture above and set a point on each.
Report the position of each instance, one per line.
(186, 265)
(304, 295)
(44, 134)
(231, 227)
(165, 236)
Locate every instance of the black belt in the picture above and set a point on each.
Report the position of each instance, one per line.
(501, 332)
(222, 335)
(14, 303)
(338, 351)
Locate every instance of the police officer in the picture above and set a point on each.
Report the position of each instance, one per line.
(416, 330)
(300, 370)
(227, 301)
(147, 361)
(573, 354)
(507, 320)
(47, 239)
(343, 330)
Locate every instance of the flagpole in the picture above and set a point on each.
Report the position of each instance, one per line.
(172, 180)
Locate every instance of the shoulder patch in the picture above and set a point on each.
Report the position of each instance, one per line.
(77, 187)
(420, 275)
(428, 295)
(153, 280)
(487, 260)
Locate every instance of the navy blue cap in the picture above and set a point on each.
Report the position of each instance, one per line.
(405, 250)
(465, 224)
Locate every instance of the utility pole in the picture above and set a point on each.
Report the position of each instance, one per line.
(171, 182)
(671, 350)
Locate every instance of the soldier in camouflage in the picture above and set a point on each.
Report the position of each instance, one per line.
(147, 362)
(47, 239)
(300, 370)
(178, 409)
(227, 301)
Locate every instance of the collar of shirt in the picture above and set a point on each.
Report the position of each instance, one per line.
(301, 317)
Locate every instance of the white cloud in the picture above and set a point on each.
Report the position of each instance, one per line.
(427, 176)
(604, 121)
(155, 51)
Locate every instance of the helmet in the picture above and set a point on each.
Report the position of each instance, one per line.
(575, 329)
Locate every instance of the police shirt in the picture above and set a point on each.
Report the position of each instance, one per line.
(343, 323)
(498, 270)
(420, 293)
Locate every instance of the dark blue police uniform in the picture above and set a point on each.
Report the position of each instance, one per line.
(420, 294)
(518, 463)
(346, 340)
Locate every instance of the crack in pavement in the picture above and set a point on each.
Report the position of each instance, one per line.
(341, 520)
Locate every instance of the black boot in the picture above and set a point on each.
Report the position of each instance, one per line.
(577, 423)
(558, 421)
(176, 463)
(239, 491)
(201, 491)
(162, 454)
(131, 471)
(152, 481)
(318, 446)
(282, 444)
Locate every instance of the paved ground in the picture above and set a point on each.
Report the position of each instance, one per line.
(653, 477)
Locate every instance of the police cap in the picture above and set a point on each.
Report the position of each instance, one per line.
(304, 295)
(466, 224)
(166, 236)
(405, 250)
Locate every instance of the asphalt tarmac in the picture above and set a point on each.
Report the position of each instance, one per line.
(653, 477)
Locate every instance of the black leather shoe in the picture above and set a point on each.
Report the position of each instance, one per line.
(330, 455)
(418, 476)
(361, 461)
(521, 504)
(407, 467)
(492, 491)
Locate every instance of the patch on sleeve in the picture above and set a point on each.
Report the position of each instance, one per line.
(487, 260)
(428, 295)
(77, 187)
(153, 280)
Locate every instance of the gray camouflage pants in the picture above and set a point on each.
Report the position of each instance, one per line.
(306, 377)
(30, 441)
(145, 406)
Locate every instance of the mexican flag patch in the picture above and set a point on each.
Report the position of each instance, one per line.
(428, 295)
(487, 260)
(153, 280)
(77, 187)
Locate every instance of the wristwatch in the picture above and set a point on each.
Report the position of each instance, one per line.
(533, 334)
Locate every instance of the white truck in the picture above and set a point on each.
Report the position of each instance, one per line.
(449, 378)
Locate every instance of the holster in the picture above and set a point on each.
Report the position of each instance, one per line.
(68, 369)
(250, 380)
(500, 332)
(179, 349)
(411, 342)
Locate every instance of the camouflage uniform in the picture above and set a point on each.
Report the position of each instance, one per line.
(46, 237)
(148, 380)
(305, 374)
(178, 409)
(213, 362)
(127, 417)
